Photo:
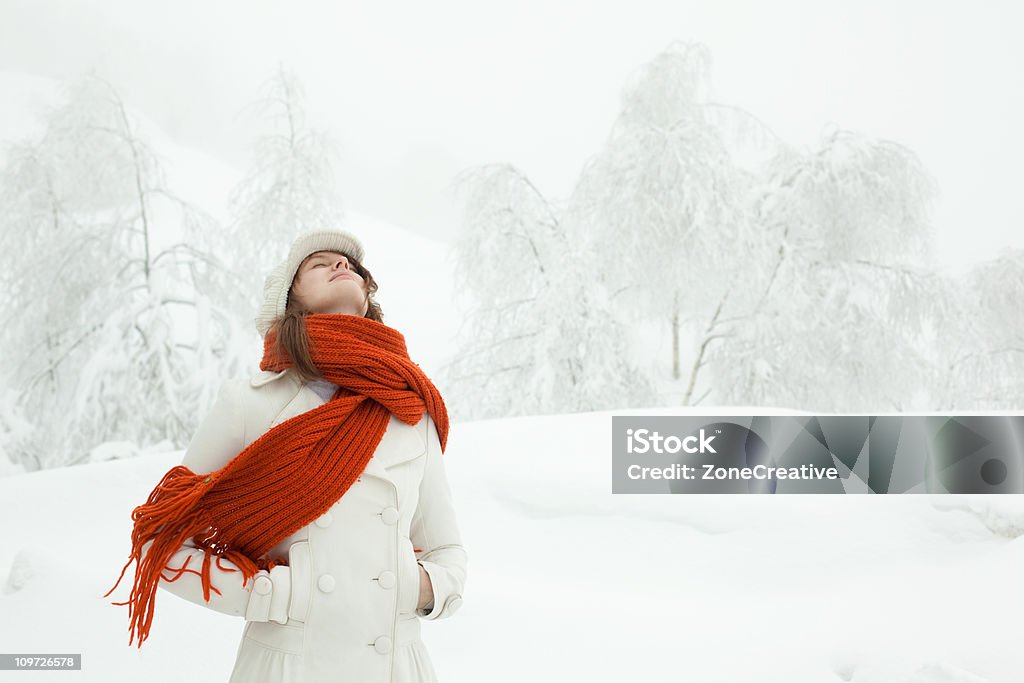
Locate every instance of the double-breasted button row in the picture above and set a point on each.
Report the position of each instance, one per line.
(324, 520)
(325, 583)
(389, 515)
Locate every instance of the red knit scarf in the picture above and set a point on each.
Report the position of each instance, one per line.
(290, 475)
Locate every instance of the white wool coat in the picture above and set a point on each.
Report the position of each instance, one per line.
(343, 609)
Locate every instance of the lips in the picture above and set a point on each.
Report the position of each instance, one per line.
(342, 274)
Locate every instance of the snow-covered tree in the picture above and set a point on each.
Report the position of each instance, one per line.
(981, 337)
(101, 283)
(806, 280)
(289, 188)
(662, 208)
(534, 339)
(841, 315)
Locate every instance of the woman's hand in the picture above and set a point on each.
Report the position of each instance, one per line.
(426, 589)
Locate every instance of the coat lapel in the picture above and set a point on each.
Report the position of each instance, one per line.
(401, 442)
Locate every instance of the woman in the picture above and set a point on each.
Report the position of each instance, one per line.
(313, 500)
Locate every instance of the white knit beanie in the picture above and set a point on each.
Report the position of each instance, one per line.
(279, 280)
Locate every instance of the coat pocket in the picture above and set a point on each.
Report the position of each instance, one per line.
(285, 638)
(300, 560)
(409, 589)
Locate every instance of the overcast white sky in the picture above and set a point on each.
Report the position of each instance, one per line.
(416, 91)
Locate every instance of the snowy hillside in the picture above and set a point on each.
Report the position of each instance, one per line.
(568, 582)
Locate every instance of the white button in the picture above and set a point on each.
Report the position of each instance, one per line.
(382, 645)
(263, 585)
(324, 520)
(386, 579)
(389, 515)
(325, 583)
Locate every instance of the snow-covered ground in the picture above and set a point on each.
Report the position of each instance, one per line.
(569, 582)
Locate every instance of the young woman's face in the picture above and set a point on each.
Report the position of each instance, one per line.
(327, 283)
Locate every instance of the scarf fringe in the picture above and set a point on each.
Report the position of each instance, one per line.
(163, 524)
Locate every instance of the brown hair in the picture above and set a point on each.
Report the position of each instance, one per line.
(292, 339)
